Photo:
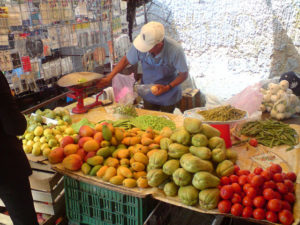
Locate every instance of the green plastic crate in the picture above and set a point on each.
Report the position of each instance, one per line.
(90, 204)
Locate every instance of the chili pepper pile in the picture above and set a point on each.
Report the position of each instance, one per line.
(270, 133)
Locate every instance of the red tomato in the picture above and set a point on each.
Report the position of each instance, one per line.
(236, 169)
(236, 198)
(224, 206)
(243, 172)
(282, 188)
(253, 142)
(247, 212)
(277, 195)
(245, 187)
(243, 179)
(266, 175)
(250, 177)
(236, 188)
(290, 197)
(257, 181)
(269, 184)
(233, 178)
(236, 209)
(247, 201)
(259, 201)
(286, 205)
(226, 192)
(275, 168)
(272, 217)
(225, 181)
(258, 170)
(277, 177)
(291, 176)
(274, 205)
(268, 194)
(290, 185)
(251, 192)
(259, 214)
(284, 176)
(285, 217)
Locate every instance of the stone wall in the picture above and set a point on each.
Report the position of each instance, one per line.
(231, 44)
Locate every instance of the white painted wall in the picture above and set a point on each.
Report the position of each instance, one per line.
(231, 44)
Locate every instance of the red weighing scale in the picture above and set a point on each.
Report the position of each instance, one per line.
(78, 83)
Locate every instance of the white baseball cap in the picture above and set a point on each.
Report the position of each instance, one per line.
(151, 34)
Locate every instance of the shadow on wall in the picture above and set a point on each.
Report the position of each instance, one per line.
(285, 55)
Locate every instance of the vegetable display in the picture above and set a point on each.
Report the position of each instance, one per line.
(264, 194)
(155, 122)
(222, 113)
(270, 133)
(280, 101)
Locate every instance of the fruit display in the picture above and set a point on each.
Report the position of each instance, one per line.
(190, 162)
(39, 137)
(280, 101)
(264, 194)
(109, 153)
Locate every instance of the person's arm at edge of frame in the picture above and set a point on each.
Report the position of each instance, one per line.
(11, 119)
(104, 82)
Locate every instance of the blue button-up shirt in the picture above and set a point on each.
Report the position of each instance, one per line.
(161, 69)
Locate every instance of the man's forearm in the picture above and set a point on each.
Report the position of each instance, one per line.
(179, 79)
(119, 67)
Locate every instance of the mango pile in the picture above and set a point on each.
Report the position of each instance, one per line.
(39, 137)
(190, 163)
(110, 153)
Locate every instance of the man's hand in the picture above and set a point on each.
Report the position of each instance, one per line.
(159, 89)
(104, 82)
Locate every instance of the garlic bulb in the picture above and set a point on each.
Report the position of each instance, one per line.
(284, 84)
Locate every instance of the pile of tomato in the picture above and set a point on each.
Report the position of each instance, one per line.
(264, 194)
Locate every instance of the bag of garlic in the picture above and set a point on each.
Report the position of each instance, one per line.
(280, 101)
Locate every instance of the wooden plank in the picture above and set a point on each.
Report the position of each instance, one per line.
(40, 180)
(42, 196)
(54, 180)
(50, 209)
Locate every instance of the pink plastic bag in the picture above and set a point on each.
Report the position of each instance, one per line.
(123, 87)
(248, 100)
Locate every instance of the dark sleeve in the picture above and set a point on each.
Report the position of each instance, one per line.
(12, 120)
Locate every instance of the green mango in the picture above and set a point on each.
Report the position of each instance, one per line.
(188, 195)
(194, 164)
(165, 142)
(171, 189)
(203, 180)
(106, 133)
(86, 168)
(210, 131)
(209, 198)
(156, 177)
(94, 170)
(104, 152)
(177, 150)
(218, 155)
(225, 168)
(201, 152)
(157, 159)
(199, 140)
(181, 177)
(192, 125)
(181, 137)
(170, 166)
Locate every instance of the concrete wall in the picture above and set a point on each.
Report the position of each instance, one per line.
(231, 44)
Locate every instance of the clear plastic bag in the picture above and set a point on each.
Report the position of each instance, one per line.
(143, 89)
(248, 100)
(123, 87)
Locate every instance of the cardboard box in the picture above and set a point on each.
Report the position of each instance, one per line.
(190, 99)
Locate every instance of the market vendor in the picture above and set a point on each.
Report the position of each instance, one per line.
(163, 64)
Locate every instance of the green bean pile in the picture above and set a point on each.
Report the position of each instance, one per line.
(222, 113)
(155, 122)
(270, 133)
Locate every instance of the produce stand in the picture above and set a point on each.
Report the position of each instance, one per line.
(249, 158)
